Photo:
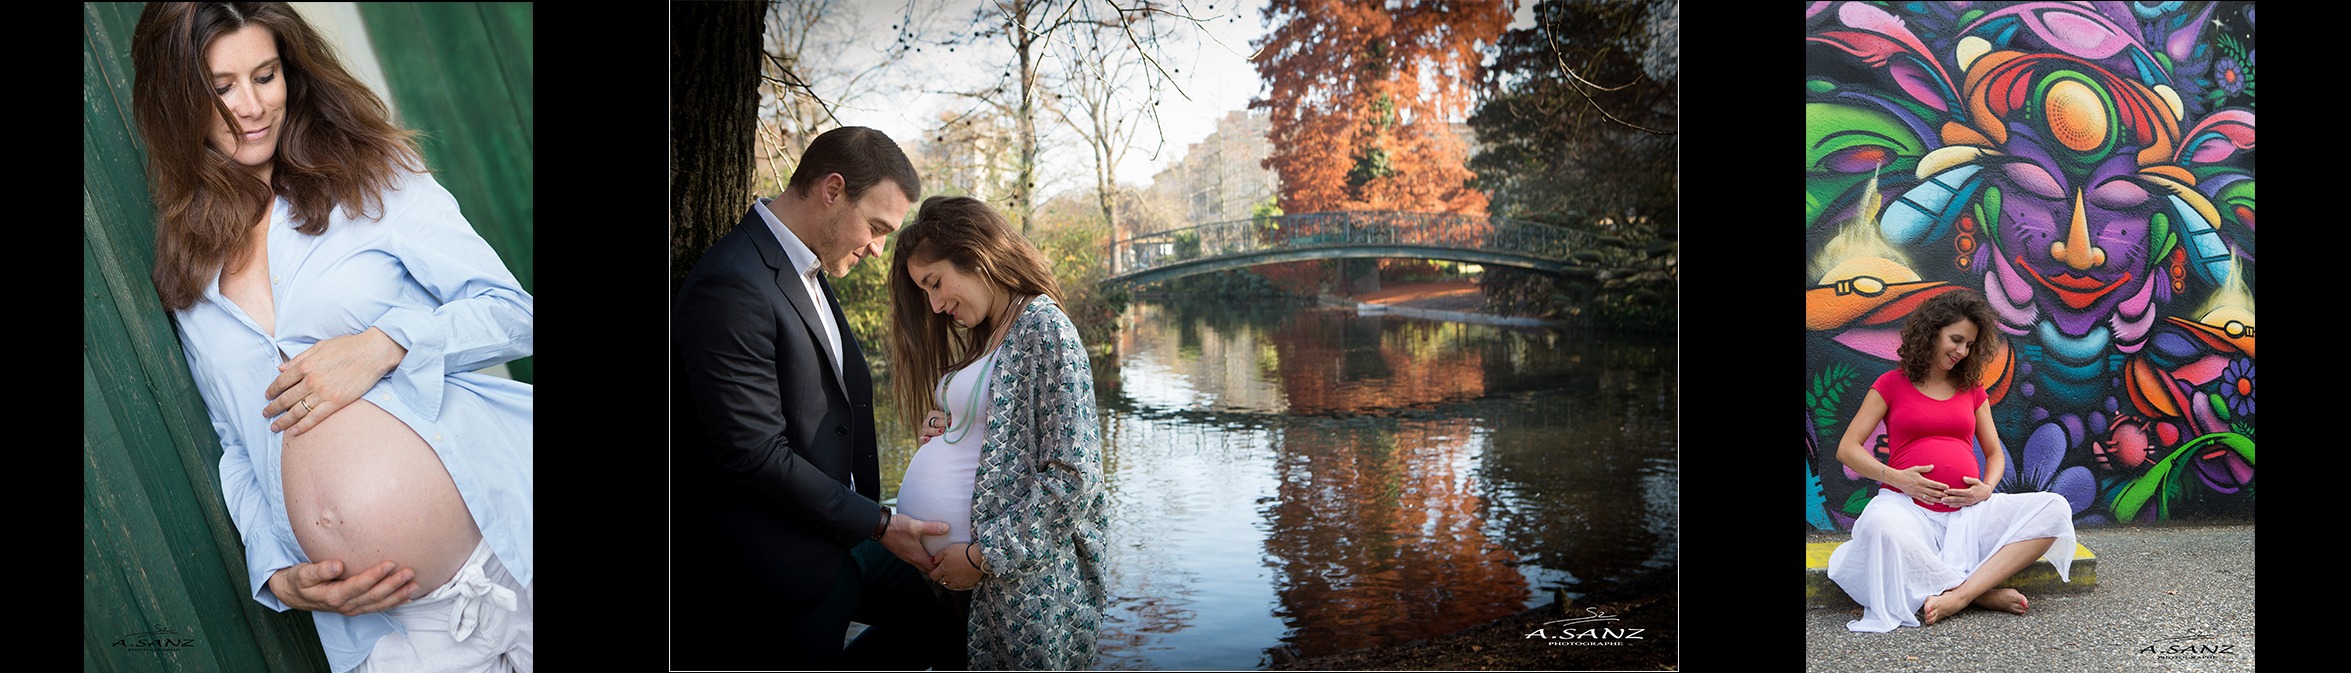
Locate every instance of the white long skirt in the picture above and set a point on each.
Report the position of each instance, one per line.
(1902, 553)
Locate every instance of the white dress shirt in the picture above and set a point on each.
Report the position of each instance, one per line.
(419, 273)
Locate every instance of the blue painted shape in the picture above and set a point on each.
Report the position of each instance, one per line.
(2208, 254)
(2073, 350)
(2070, 372)
(1816, 506)
(2171, 348)
(2052, 388)
(2150, 74)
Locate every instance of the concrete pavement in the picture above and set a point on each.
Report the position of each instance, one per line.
(2168, 598)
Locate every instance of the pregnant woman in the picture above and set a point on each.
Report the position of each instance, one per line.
(334, 304)
(1017, 472)
(1936, 538)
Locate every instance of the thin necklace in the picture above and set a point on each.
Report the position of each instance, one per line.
(971, 402)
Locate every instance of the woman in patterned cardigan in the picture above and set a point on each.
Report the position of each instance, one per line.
(979, 340)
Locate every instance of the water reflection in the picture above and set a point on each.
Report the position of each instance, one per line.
(1293, 482)
(1381, 535)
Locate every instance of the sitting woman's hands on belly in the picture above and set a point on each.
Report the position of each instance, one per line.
(1954, 460)
(1953, 463)
(362, 488)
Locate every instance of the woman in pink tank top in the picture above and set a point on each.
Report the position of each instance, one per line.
(1936, 539)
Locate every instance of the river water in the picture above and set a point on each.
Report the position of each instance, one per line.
(1293, 481)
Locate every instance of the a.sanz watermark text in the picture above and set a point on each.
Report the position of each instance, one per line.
(2198, 646)
(153, 640)
(1595, 629)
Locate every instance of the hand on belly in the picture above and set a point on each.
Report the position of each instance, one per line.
(363, 489)
(938, 543)
(1952, 468)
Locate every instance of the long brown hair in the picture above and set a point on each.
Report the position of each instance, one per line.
(338, 145)
(978, 241)
(1926, 322)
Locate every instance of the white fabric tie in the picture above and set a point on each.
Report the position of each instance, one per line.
(474, 588)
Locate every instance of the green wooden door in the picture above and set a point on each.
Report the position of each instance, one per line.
(461, 73)
(163, 573)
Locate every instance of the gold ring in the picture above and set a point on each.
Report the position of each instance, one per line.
(306, 406)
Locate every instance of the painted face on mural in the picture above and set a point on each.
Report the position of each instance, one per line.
(2078, 214)
(2078, 238)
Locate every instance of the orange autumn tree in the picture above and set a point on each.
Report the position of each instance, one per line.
(1363, 96)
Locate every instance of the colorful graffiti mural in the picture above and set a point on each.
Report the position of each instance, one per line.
(2088, 167)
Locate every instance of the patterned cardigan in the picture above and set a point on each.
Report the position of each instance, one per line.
(1039, 503)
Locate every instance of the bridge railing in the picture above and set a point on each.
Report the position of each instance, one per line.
(1338, 229)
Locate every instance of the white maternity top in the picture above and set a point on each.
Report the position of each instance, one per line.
(938, 484)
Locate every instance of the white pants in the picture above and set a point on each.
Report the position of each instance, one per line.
(480, 622)
(1902, 554)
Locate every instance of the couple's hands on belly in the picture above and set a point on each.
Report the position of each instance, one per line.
(321, 587)
(955, 570)
(904, 539)
(329, 376)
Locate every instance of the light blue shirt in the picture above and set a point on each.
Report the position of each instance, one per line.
(420, 274)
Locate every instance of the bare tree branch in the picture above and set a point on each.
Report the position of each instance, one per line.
(1561, 58)
(1127, 28)
(791, 80)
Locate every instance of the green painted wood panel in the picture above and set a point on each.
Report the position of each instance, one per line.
(160, 552)
(461, 73)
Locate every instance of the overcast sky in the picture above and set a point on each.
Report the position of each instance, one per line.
(1216, 75)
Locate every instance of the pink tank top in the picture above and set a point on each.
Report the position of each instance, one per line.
(1926, 431)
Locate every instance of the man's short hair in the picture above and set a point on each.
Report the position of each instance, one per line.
(863, 156)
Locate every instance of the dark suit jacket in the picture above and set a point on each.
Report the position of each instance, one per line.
(765, 442)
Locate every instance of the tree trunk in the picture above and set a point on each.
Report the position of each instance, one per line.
(714, 101)
(1024, 188)
(1105, 170)
(1106, 193)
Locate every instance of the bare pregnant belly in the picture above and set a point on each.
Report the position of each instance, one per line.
(362, 488)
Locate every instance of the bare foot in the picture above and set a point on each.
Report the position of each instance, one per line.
(1942, 605)
(2003, 599)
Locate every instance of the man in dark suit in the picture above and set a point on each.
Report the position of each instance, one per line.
(778, 538)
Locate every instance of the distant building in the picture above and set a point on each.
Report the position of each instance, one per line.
(1223, 175)
(967, 154)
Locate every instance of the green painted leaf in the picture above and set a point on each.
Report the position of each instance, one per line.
(1830, 128)
(2136, 495)
(1860, 500)
(2161, 480)
(1828, 392)
(1990, 212)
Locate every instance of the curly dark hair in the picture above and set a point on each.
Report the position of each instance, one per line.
(1929, 319)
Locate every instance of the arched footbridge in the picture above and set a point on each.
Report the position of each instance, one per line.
(1366, 234)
